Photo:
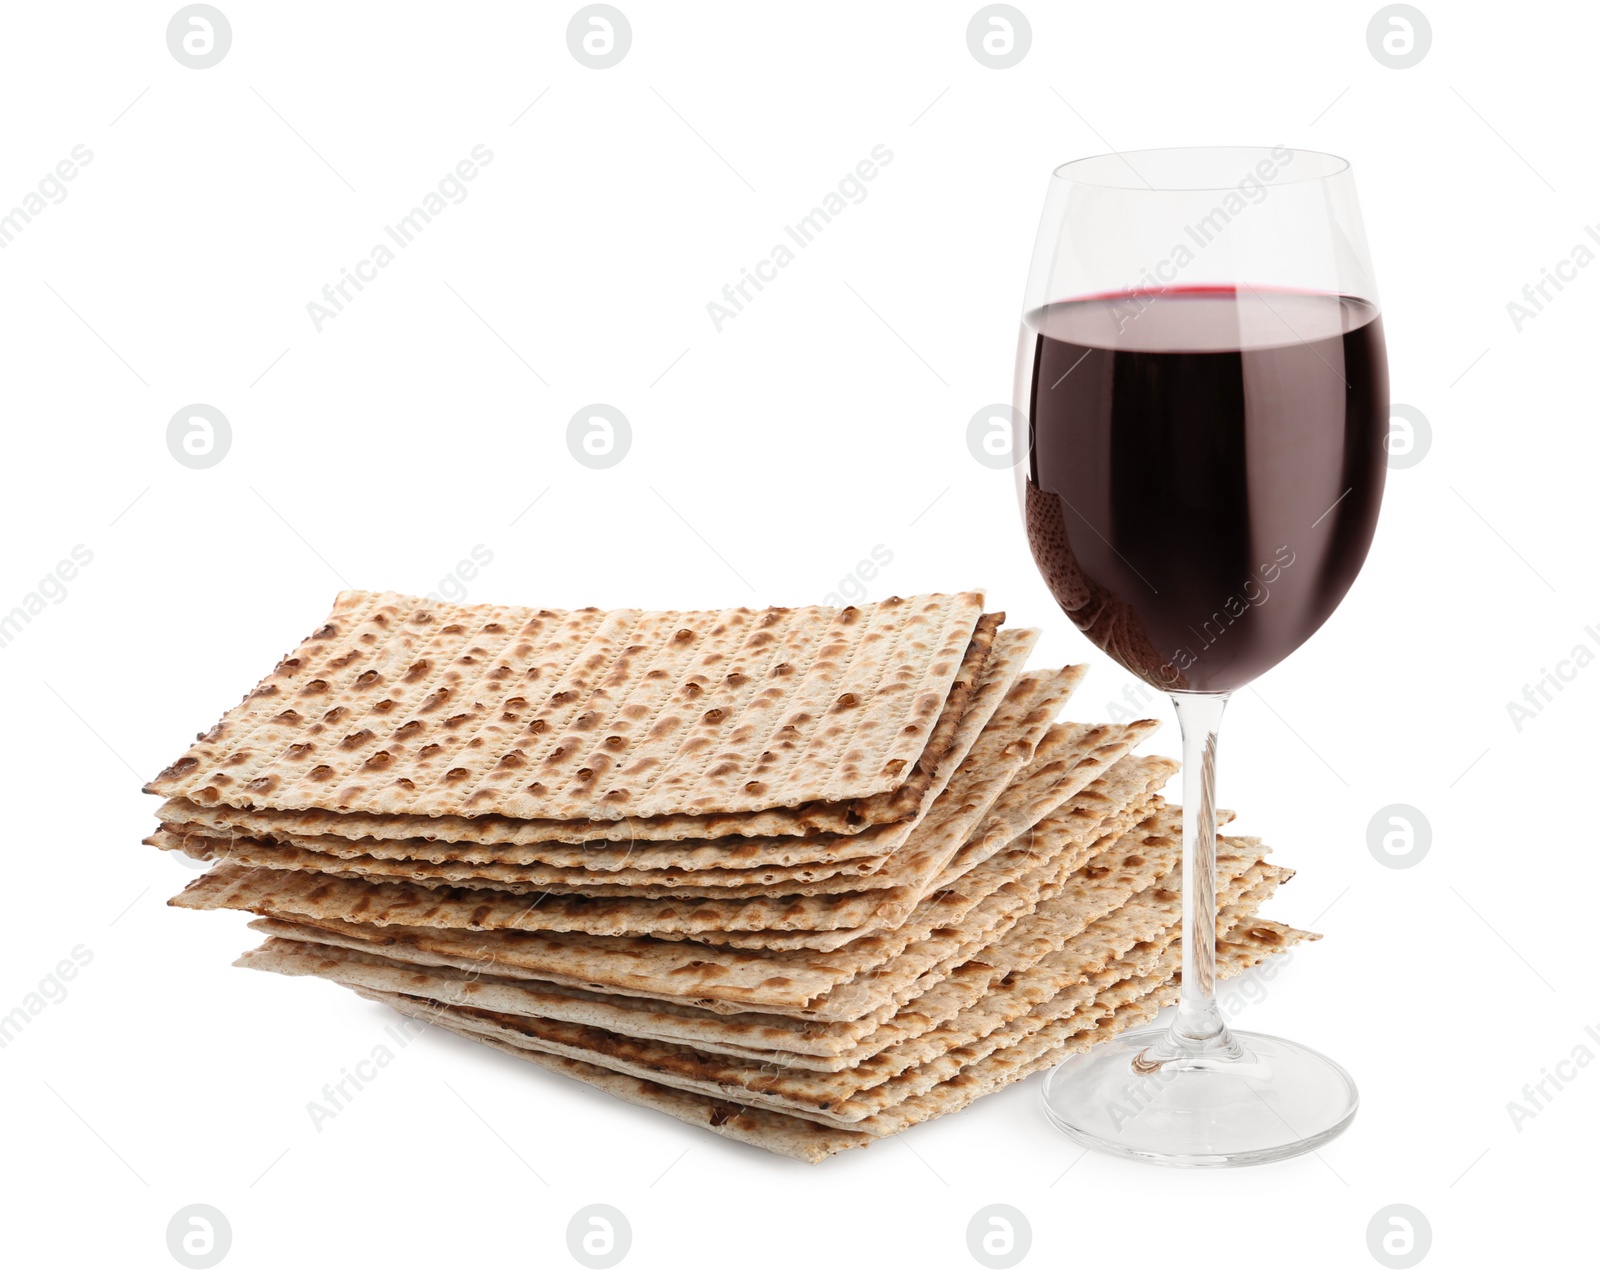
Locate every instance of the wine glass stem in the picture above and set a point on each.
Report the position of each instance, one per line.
(1199, 1027)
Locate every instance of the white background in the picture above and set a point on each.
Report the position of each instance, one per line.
(768, 459)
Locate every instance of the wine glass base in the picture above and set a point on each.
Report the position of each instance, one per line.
(1277, 1101)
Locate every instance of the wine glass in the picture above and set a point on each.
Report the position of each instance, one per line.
(1202, 383)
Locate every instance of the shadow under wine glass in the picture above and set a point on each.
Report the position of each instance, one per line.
(1204, 465)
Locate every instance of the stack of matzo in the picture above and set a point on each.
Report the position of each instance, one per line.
(802, 876)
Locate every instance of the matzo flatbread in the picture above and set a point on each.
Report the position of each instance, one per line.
(900, 1071)
(840, 986)
(1120, 1009)
(370, 628)
(1003, 980)
(611, 715)
(817, 833)
(1053, 779)
(824, 1045)
(421, 859)
(1089, 752)
(1003, 749)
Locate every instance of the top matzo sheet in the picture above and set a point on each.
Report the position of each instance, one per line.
(399, 705)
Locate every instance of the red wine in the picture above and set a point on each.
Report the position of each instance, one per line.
(1204, 471)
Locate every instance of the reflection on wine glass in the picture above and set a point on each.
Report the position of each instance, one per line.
(1203, 386)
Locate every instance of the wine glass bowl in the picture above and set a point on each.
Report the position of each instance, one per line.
(1202, 385)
